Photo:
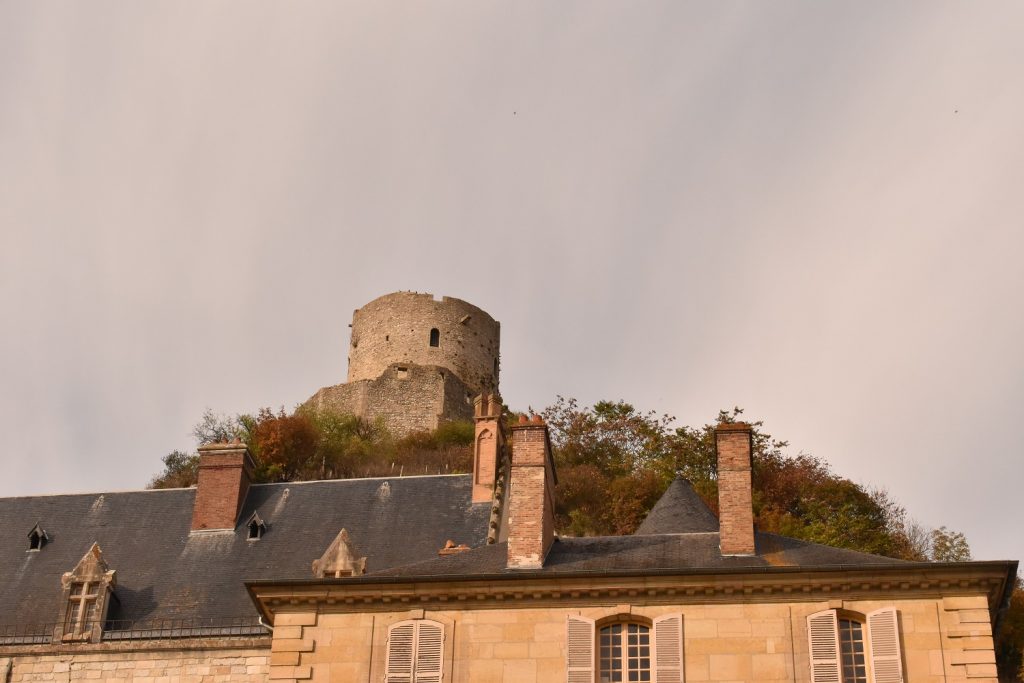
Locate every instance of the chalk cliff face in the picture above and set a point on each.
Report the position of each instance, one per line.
(415, 361)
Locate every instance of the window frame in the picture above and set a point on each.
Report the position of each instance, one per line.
(666, 642)
(624, 646)
(436, 652)
(883, 649)
(853, 618)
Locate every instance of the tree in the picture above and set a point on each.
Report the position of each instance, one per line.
(949, 546)
(216, 428)
(181, 470)
(614, 461)
(307, 445)
(612, 465)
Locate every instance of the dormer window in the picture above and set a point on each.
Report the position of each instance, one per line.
(83, 609)
(87, 590)
(256, 527)
(37, 538)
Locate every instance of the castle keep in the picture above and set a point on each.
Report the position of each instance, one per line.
(415, 361)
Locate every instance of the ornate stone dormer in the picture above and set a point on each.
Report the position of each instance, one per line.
(340, 559)
(86, 598)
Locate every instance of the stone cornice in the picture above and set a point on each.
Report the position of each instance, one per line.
(768, 584)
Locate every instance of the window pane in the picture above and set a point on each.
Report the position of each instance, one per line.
(851, 643)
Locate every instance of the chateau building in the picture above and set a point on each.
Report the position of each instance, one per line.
(462, 578)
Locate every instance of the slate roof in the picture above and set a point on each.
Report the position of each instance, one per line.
(164, 572)
(647, 553)
(679, 511)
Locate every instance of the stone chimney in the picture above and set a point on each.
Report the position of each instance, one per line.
(487, 444)
(225, 471)
(735, 505)
(531, 519)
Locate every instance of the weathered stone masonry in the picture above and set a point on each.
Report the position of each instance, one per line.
(415, 362)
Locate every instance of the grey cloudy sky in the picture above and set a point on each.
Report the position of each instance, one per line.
(811, 210)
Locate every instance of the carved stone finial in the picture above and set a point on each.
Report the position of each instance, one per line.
(92, 567)
(340, 559)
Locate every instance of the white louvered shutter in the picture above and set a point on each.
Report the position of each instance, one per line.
(884, 637)
(429, 652)
(823, 644)
(579, 647)
(668, 649)
(401, 642)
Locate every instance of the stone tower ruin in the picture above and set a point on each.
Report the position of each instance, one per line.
(415, 361)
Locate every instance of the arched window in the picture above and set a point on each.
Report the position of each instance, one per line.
(624, 652)
(626, 649)
(850, 648)
(435, 337)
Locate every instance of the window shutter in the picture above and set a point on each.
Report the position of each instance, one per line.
(884, 637)
(668, 649)
(429, 651)
(401, 638)
(579, 642)
(823, 642)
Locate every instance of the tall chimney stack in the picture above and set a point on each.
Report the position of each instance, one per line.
(225, 472)
(531, 517)
(735, 504)
(487, 444)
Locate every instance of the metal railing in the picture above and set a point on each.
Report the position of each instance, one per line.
(26, 634)
(184, 628)
(152, 629)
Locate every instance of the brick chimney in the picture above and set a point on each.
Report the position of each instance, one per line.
(531, 518)
(735, 506)
(225, 471)
(487, 444)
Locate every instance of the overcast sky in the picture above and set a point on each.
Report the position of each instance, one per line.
(810, 210)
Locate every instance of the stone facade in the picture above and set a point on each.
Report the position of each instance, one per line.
(155, 664)
(406, 398)
(415, 362)
(943, 639)
(395, 328)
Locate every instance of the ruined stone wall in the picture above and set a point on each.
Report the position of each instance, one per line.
(141, 666)
(406, 397)
(396, 328)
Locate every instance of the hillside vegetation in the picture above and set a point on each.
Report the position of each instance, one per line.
(613, 463)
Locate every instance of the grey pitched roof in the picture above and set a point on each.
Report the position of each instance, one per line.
(679, 511)
(647, 553)
(163, 571)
